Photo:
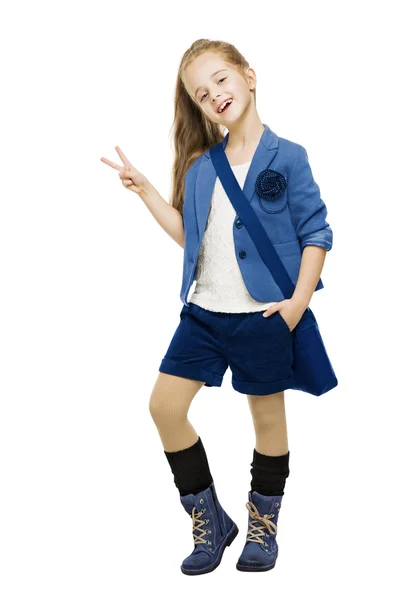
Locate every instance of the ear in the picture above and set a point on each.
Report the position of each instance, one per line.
(250, 76)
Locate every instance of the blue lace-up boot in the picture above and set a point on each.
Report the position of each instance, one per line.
(213, 530)
(261, 549)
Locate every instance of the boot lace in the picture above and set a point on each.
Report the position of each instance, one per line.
(256, 532)
(197, 523)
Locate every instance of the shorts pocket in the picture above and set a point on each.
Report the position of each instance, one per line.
(284, 321)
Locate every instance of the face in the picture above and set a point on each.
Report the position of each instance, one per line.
(210, 81)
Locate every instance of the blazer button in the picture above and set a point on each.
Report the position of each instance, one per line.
(238, 223)
(242, 254)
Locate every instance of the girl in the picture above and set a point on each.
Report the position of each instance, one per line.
(223, 324)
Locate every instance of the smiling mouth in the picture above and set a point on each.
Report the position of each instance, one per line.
(227, 105)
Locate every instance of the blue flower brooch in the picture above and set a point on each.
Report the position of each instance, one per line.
(270, 184)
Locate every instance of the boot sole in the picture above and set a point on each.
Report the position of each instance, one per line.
(255, 569)
(227, 541)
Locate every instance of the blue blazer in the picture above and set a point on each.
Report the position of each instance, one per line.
(294, 220)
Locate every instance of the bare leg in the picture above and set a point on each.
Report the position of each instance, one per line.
(169, 404)
(268, 415)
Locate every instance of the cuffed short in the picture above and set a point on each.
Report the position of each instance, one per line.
(257, 349)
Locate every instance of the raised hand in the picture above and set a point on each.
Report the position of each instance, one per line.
(130, 177)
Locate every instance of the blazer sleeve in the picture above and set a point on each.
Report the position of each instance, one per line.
(188, 214)
(308, 211)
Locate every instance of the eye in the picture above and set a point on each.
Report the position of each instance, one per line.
(223, 79)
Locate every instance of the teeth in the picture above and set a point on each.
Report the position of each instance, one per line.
(224, 104)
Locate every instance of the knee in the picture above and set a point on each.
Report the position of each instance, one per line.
(162, 409)
(157, 406)
(264, 424)
(267, 420)
(268, 411)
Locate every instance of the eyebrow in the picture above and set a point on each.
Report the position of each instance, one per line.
(213, 74)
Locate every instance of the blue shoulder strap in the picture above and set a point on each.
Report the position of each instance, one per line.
(254, 226)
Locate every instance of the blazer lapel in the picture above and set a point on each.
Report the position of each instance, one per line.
(264, 154)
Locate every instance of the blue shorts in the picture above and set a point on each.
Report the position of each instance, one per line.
(258, 350)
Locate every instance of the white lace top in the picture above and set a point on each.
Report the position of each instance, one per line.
(219, 283)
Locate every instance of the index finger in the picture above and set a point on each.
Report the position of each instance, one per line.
(124, 159)
(111, 164)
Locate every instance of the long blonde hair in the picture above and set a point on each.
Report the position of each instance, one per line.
(193, 133)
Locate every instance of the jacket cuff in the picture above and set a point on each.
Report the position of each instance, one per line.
(322, 238)
(308, 211)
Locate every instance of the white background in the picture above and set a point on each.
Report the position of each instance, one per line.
(90, 300)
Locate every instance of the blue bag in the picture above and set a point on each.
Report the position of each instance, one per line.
(312, 369)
